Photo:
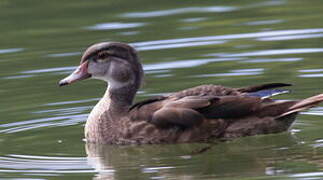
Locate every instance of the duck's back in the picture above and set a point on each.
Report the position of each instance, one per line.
(207, 90)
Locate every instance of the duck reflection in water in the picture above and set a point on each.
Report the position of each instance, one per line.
(244, 157)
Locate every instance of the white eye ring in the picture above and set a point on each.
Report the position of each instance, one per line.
(101, 60)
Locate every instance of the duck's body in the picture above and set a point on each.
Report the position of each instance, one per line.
(197, 114)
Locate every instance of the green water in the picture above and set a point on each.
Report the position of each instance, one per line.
(182, 44)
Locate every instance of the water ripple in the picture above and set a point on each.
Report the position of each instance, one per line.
(318, 111)
(310, 70)
(291, 37)
(155, 169)
(308, 175)
(189, 20)
(170, 12)
(115, 25)
(29, 164)
(267, 3)
(274, 52)
(64, 111)
(238, 72)
(57, 69)
(230, 36)
(64, 54)
(177, 45)
(271, 60)
(72, 102)
(185, 63)
(65, 120)
(18, 77)
(310, 73)
(265, 22)
(13, 50)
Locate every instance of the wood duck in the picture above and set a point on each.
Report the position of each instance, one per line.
(198, 114)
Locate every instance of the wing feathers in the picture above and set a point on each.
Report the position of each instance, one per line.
(262, 87)
(191, 107)
(231, 107)
(192, 110)
(182, 117)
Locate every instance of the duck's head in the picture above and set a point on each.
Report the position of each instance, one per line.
(113, 62)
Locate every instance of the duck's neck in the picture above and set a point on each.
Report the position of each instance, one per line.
(113, 106)
(116, 101)
(120, 98)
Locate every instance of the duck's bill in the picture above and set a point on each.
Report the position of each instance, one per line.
(79, 74)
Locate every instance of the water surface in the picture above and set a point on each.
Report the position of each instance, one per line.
(182, 44)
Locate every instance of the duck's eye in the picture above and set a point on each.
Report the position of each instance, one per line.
(99, 60)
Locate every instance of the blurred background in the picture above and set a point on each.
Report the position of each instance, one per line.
(181, 44)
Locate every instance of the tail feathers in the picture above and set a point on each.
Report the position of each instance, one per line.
(304, 104)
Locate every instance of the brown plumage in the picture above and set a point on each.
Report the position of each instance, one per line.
(198, 114)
